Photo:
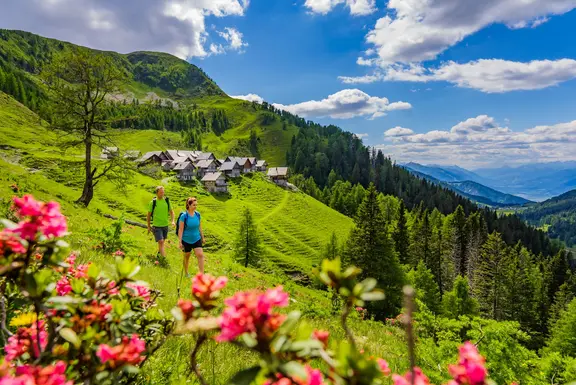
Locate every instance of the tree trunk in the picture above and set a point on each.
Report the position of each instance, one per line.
(88, 191)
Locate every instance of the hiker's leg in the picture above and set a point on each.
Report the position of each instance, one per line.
(200, 255)
(161, 248)
(186, 262)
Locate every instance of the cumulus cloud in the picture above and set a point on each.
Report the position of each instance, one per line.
(345, 104)
(481, 141)
(250, 98)
(419, 30)
(357, 7)
(360, 136)
(398, 131)
(174, 26)
(234, 38)
(487, 75)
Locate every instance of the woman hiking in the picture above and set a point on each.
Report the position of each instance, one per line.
(191, 235)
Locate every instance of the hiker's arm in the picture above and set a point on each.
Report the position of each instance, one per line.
(172, 217)
(148, 221)
(180, 231)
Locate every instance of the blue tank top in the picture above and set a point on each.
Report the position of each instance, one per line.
(192, 230)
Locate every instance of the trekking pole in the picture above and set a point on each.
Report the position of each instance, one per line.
(180, 282)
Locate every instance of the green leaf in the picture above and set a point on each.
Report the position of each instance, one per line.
(249, 341)
(77, 285)
(373, 296)
(369, 284)
(245, 377)
(294, 370)
(290, 323)
(71, 336)
(93, 271)
(64, 300)
(278, 343)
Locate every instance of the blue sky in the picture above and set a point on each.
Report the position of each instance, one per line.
(435, 81)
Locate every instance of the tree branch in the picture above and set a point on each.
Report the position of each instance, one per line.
(193, 358)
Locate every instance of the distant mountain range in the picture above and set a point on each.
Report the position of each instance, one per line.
(462, 182)
(533, 182)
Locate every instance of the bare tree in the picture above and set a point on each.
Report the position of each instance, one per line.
(79, 82)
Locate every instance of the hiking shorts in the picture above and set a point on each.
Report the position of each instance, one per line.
(160, 233)
(188, 247)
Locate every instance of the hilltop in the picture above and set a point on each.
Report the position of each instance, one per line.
(154, 77)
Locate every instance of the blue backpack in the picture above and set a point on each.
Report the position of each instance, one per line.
(185, 213)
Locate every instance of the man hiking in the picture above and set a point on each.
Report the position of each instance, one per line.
(158, 211)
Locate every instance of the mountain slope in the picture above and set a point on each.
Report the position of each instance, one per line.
(477, 189)
(467, 188)
(557, 215)
(536, 182)
(293, 226)
(444, 173)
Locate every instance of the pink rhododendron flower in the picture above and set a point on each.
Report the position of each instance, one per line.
(471, 367)
(112, 289)
(205, 286)
(63, 286)
(139, 291)
(38, 217)
(37, 375)
(313, 377)
(97, 311)
(322, 336)
(26, 341)
(71, 260)
(187, 308)
(251, 312)
(419, 378)
(129, 352)
(119, 253)
(81, 271)
(384, 368)
(9, 242)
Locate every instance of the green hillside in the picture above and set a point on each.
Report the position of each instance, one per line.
(153, 75)
(557, 215)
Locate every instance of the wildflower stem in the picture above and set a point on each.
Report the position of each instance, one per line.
(193, 358)
(343, 319)
(409, 304)
(5, 332)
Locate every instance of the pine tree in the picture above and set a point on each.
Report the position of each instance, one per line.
(426, 288)
(247, 247)
(490, 277)
(459, 240)
(562, 335)
(371, 249)
(458, 301)
(400, 235)
(254, 143)
(332, 249)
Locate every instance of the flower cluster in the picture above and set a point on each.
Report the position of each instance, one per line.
(9, 243)
(471, 369)
(25, 341)
(34, 375)
(129, 352)
(206, 288)
(139, 291)
(313, 377)
(38, 218)
(419, 378)
(251, 312)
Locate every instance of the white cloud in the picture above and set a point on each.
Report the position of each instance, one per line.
(250, 98)
(419, 30)
(345, 104)
(481, 141)
(487, 75)
(357, 7)
(234, 37)
(398, 131)
(361, 136)
(174, 26)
